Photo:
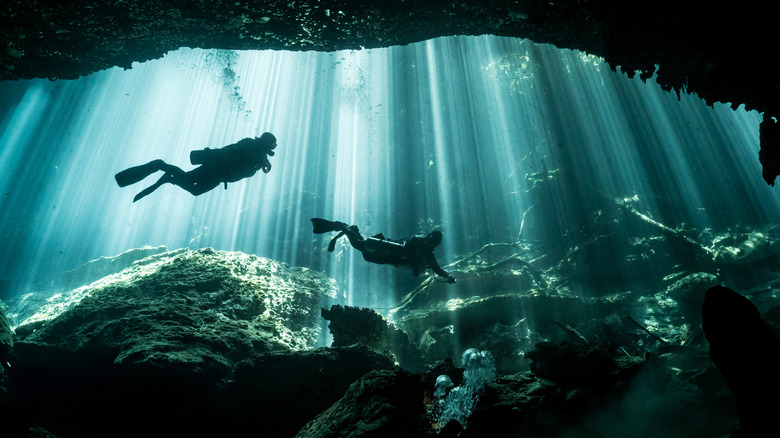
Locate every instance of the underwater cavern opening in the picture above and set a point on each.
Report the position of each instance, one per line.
(576, 205)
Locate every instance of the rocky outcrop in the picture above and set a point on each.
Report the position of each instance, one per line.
(6, 339)
(219, 343)
(747, 354)
(581, 364)
(279, 393)
(182, 343)
(670, 390)
(382, 403)
(205, 296)
(350, 325)
(105, 266)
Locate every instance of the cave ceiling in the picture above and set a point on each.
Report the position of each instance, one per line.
(723, 54)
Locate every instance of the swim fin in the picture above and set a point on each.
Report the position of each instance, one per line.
(164, 179)
(324, 226)
(332, 244)
(137, 173)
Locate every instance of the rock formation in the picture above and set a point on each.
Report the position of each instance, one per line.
(182, 343)
(224, 343)
(747, 353)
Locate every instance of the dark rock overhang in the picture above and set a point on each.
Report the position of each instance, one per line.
(723, 54)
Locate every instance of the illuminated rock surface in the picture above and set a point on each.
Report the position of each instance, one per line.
(173, 342)
(192, 342)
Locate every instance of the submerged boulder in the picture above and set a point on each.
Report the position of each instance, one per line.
(505, 306)
(747, 354)
(279, 393)
(383, 403)
(202, 308)
(6, 339)
(352, 325)
(161, 339)
(104, 266)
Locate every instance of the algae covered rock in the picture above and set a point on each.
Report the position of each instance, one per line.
(352, 325)
(104, 266)
(198, 310)
(6, 338)
(287, 390)
(159, 343)
(387, 403)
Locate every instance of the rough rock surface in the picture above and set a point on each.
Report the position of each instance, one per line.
(747, 353)
(204, 296)
(104, 266)
(6, 338)
(350, 325)
(184, 342)
(217, 343)
(584, 364)
(382, 403)
(278, 393)
(664, 390)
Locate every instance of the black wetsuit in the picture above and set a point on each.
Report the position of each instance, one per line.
(414, 252)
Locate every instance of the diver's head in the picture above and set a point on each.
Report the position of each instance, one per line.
(268, 140)
(433, 239)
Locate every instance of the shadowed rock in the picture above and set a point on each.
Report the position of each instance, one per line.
(747, 354)
(351, 325)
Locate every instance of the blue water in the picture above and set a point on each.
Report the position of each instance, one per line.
(448, 134)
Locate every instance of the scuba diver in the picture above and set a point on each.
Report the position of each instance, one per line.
(228, 164)
(415, 252)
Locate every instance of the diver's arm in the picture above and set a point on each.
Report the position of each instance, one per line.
(265, 165)
(434, 265)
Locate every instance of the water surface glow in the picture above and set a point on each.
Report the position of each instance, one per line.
(444, 134)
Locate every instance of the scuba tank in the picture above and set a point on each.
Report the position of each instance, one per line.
(203, 155)
(386, 248)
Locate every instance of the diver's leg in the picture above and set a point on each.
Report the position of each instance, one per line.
(197, 181)
(355, 239)
(352, 233)
(172, 174)
(196, 187)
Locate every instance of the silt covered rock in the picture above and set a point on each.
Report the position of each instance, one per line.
(158, 343)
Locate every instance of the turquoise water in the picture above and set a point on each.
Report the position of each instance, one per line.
(490, 140)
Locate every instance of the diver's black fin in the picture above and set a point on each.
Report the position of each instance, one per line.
(324, 226)
(332, 244)
(137, 173)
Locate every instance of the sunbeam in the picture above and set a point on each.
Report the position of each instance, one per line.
(459, 134)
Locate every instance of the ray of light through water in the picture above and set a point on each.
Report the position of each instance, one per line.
(446, 134)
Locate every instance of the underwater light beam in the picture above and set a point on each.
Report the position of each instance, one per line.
(472, 135)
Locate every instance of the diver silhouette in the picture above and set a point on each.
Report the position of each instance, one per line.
(415, 252)
(228, 164)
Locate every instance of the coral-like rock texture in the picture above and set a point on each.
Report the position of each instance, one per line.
(172, 342)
